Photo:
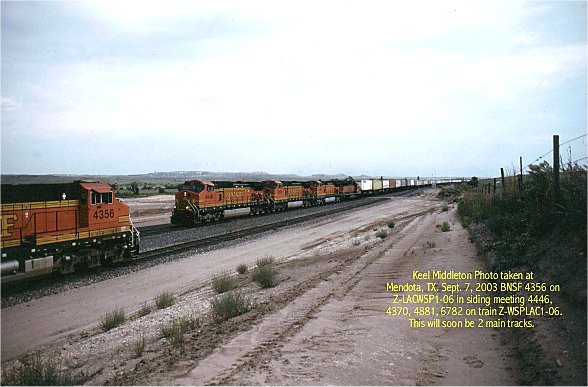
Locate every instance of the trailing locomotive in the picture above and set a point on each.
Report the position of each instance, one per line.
(61, 227)
(204, 201)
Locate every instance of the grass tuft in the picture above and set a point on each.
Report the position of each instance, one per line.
(228, 305)
(265, 273)
(39, 372)
(174, 330)
(222, 283)
(445, 226)
(139, 346)
(112, 320)
(391, 224)
(164, 300)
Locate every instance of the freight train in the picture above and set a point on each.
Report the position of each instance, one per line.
(205, 201)
(59, 228)
(62, 227)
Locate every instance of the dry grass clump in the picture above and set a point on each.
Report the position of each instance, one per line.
(40, 372)
(139, 346)
(229, 305)
(164, 300)
(144, 311)
(223, 283)
(174, 330)
(265, 273)
(112, 320)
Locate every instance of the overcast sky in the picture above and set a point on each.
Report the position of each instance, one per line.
(355, 87)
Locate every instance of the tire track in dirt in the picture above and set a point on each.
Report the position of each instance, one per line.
(271, 334)
(346, 338)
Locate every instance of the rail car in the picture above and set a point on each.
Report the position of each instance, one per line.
(62, 227)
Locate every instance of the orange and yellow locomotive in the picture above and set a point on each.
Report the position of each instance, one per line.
(59, 227)
(203, 201)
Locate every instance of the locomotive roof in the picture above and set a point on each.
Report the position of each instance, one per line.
(23, 193)
(98, 187)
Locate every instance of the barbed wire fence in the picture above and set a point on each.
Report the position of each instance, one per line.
(490, 185)
(551, 151)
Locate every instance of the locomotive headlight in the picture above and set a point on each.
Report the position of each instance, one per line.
(187, 207)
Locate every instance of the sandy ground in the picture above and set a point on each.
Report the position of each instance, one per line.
(337, 333)
(324, 324)
(150, 210)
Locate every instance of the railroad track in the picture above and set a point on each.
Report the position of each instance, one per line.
(159, 229)
(239, 234)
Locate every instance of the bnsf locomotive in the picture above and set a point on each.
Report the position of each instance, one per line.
(61, 227)
(204, 201)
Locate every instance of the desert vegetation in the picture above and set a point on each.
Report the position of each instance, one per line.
(229, 305)
(265, 273)
(222, 283)
(533, 224)
(164, 300)
(112, 320)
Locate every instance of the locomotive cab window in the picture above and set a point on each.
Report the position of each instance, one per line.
(101, 198)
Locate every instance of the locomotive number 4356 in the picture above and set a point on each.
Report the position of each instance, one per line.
(103, 214)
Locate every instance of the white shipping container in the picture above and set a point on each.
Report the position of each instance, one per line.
(412, 182)
(366, 185)
(398, 183)
(386, 184)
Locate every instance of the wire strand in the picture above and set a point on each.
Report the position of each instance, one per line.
(551, 151)
(574, 139)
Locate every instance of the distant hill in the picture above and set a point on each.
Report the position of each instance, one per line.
(163, 177)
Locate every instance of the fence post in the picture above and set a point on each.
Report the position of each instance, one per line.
(556, 168)
(494, 193)
(521, 175)
(502, 179)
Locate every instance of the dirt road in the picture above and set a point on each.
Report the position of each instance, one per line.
(337, 333)
(325, 323)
